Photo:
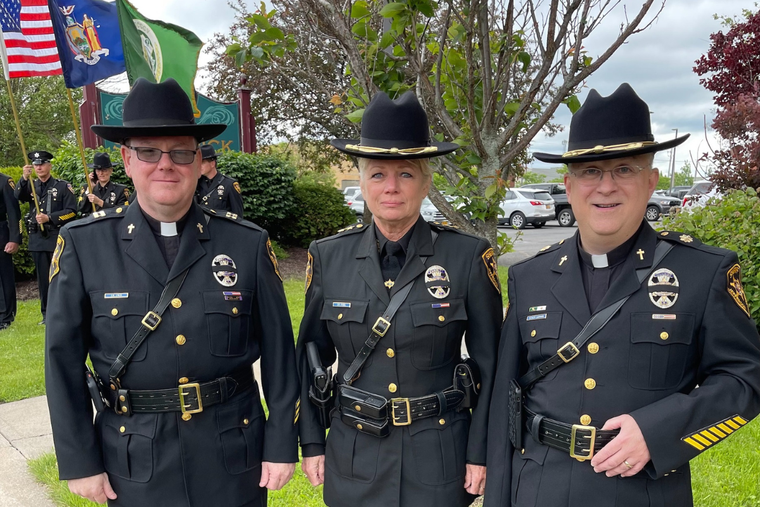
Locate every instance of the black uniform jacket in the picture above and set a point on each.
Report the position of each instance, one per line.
(220, 193)
(422, 464)
(57, 202)
(646, 362)
(9, 211)
(98, 297)
(113, 194)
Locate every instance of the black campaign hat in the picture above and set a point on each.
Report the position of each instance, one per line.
(155, 110)
(208, 152)
(610, 127)
(101, 161)
(394, 129)
(39, 157)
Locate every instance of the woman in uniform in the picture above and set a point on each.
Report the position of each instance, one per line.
(391, 301)
(105, 193)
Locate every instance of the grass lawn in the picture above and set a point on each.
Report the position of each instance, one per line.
(725, 476)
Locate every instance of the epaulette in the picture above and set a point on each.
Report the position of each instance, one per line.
(452, 228)
(352, 229)
(232, 217)
(681, 238)
(96, 216)
(549, 248)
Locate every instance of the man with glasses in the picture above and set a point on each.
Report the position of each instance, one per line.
(172, 333)
(625, 352)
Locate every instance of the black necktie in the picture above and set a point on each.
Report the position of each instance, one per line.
(391, 261)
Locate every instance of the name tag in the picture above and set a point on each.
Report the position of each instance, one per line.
(116, 295)
(440, 305)
(537, 308)
(663, 316)
(339, 304)
(536, 317)
(232, 296)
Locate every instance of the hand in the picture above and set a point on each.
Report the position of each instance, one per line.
(475, 479)
(628, 446)
(97, 200)
(275, 475)
(11, 247)
(314, 468)
(27, 172)
(43, 218)
(96, 488)
(93, 178)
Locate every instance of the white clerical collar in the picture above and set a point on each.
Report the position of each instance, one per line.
(598, 261)
(168, 228)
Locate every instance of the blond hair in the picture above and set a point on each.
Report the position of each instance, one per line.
(423, 164)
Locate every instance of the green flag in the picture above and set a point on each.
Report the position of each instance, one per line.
(157, 51)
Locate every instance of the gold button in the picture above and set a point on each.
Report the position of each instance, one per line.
(114, 312)
(340, 316)
(113, 387)
(124, 409)
(359, 427)
(176, 302)
(441, 421)
(186, 416)
(122, 429)
(664, 335)
(235, 311)
(359, 226)
(590, 383)
(122, 398)
(593, 348)
(666, 475)
(533, 333)
(393, 388)
(441, 318)
(357, 408)
(245, 421)
(585, 419)
(390, 353)
(180, 339)
(522, 451)
(184, 380)
(118, 210)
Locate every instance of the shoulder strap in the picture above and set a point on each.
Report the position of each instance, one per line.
(149, 323)
(572, 349)
(380, 327)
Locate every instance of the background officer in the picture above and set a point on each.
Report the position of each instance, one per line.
(10, 239)
(613, 420)
(185, 424)
(57, 207)
(105, 193)
(216, 190)
(422, 448)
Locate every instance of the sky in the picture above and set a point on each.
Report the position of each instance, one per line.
(657, 63)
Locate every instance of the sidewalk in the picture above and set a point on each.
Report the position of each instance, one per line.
(24, 434)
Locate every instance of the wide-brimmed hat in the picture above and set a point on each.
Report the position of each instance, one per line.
(208, 152)
(155, 110)
(394, 129)
(101, 161)
(610, 127)
(39, 157)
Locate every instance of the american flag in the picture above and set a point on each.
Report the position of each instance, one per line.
(29, 47)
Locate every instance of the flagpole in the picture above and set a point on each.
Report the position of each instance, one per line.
(81, 145)
(23, 150)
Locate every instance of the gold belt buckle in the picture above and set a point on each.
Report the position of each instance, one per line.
(182, 395)
(153, 315)
(404, 401)
(572, 349)
(381, 326)
(592, 437)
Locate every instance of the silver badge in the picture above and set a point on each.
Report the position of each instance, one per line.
(663, 288)
(437, 282)
(113, 197)
(224, 270)
(220, 190)
(54, 191)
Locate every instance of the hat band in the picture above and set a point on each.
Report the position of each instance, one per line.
(403, 151)
(611, 147)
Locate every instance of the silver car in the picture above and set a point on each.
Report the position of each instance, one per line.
(523, 206)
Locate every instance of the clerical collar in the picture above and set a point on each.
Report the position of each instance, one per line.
(404, 241)
(168, 229)
(611, 258)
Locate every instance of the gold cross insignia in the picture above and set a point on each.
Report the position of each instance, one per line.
(640, 253)
(131, 228)
(562, 260)
(389, 284)
(686, 238)
(200, 228)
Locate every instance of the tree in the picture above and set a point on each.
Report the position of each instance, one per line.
(44, 115)
(684, 176)
(531, 177)
(730, 69)
(490, 75)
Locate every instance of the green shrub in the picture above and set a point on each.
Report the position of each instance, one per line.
(319, 211)
(67, 165)
(732, 223)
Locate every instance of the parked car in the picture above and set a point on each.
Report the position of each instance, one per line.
(678, 191)
(562, 208)
(356, 203)
(699, 194)
(429, 211)
(660, 205)
(523, 206)
(349, 192)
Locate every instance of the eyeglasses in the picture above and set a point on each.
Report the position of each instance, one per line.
(153, 155)
(591, 175)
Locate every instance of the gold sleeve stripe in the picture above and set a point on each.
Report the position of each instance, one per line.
(733, 424)
(725, 428)
(709, 435)
(693, 443)
(740, 420)
(702, 440)
(716, 431)
(298, 411)
(706, 437)
(67, 216)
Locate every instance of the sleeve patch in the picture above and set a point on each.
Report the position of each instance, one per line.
(309, 272)
(489, 259)
(735, 288)
(55, 262)
(11, 184)
(273, 258)
(71, 189)
(706, 437)
(236, 186)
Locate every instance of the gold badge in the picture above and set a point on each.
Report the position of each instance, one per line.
(735, 288)
(663, 288)
(437, 282)
(54, 263)
(12, 185)
(236, 186)
(309, 272)
(489, 259)
(273, 258)
(126, 192)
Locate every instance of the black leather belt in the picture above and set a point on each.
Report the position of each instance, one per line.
(580, 441)
(188, 398)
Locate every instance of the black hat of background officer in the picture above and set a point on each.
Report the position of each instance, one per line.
(156, 110)
(394, 129)
(610, 127)
(39, 157)
(208, 152)
(101, 161)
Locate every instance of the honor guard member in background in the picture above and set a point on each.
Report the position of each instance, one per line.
(10, 239)
(669, 365)
(58, 206)
(402, 433)
(200, 297)
(105, 193)
(216, 190)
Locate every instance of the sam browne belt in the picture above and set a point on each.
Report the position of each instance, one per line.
(580, 441)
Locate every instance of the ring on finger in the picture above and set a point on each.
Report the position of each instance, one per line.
(625, 462)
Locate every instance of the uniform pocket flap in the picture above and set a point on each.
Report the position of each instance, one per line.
(535, 327)
(143, 425)
(662, 329)
(237, 415)
(438, 314)
(440, 422)
(343, 310)
(230, 303)
(116, 305)
(533, 451)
